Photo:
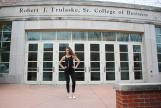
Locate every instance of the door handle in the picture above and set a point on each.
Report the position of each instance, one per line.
(89, 69)
(119, 69)
(37, 69)
(53, 69)
(85, 69)
(104, 69)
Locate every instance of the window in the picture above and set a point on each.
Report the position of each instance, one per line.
(158, 41)
(123, 37)
(94, 36)
(5, 40)
(109, 36)
(82, 36)
(79, 35)
(135, 37)
(33, 36)
(63, 35)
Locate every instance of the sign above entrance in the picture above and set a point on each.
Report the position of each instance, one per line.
(78, 11)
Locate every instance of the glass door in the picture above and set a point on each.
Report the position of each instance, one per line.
(81, 72)
(61, 53)
(110, 62)
(40, 63)
(124, 62)
(48, 63)
(32, 63)
(94, 63)
(130, 62)
(137, 63)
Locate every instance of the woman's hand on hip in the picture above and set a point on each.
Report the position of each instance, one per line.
(64, 67)
(74, 67)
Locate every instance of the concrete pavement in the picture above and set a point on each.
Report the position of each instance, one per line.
(54, 96)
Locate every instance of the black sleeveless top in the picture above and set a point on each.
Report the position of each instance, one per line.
(69, 62)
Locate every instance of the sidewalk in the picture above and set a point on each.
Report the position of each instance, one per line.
(54, 96)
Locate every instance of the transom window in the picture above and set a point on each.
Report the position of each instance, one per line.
(84, 36)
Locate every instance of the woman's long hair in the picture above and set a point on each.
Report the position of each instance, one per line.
(70, 51)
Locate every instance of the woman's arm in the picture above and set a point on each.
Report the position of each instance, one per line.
(60, 62)
(78, 61)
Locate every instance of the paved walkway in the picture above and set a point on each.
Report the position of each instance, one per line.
(54, 96)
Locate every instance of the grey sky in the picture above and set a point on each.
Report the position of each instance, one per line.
(142, 2)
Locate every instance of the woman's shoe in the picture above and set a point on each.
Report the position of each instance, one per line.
(69, 96)
(73, 96)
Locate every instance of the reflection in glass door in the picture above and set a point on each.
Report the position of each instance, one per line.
(137, 62)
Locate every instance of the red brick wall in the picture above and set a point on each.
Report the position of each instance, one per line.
(138, 99)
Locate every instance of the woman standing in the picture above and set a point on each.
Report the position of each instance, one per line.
(69, 69)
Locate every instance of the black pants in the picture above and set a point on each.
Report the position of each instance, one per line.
(70, 72)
